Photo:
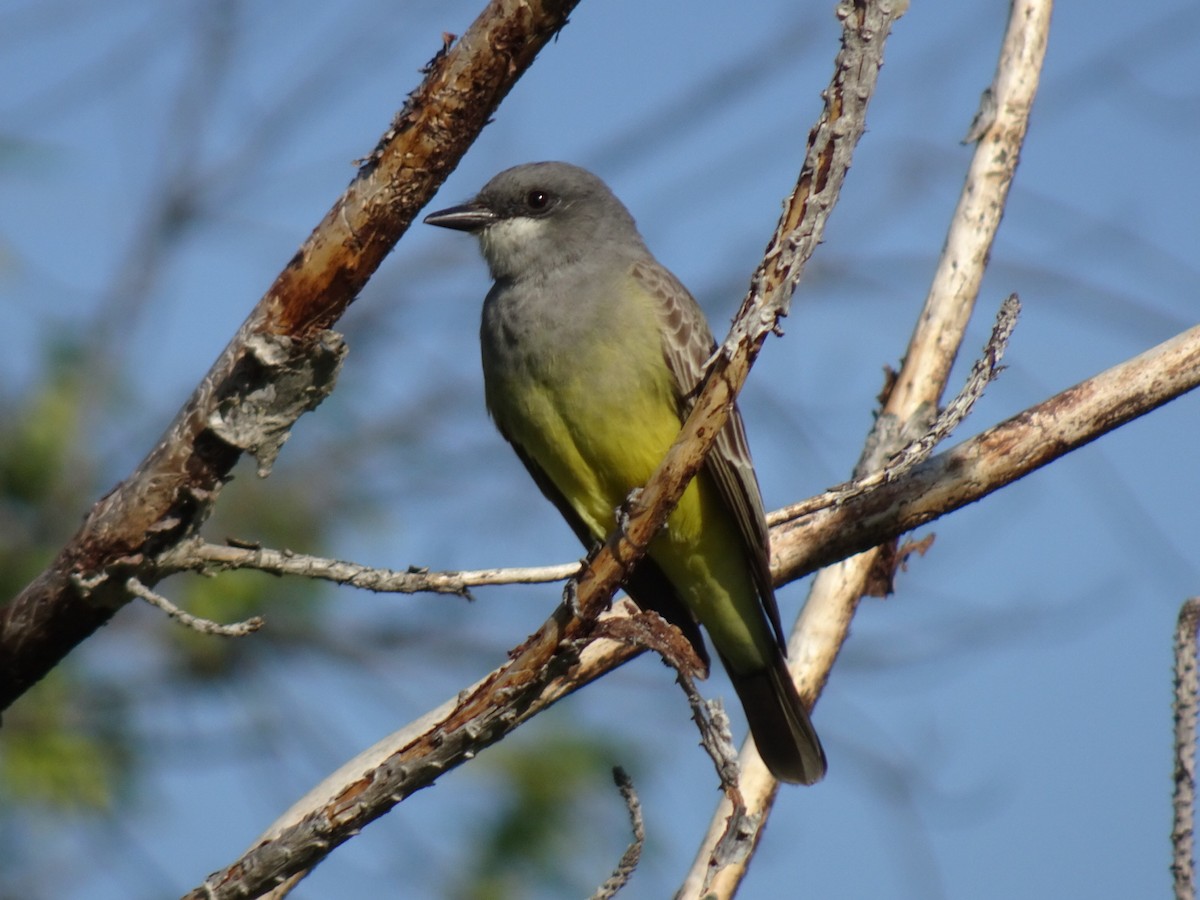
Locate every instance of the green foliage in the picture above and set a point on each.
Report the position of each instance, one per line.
(40, 471)
(65, 746)
(33, 453)
(69, 744)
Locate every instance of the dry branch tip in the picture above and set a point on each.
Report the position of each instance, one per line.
(196, 623)
(633, 853)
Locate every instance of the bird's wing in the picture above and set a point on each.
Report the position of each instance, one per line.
(646, 584)
(687, 346)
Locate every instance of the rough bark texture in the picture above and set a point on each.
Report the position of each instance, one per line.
(170, 494)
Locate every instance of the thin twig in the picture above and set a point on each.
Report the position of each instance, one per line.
(740, 833)
(633, 853)
(985, 370)
(715, 735)
(201, 556)
(196, 623)
(1187, 685)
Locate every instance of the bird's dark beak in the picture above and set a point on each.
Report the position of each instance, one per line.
(473, 216)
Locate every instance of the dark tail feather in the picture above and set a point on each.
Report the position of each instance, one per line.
(783, 733)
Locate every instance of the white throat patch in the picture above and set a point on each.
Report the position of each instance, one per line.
(513, 246)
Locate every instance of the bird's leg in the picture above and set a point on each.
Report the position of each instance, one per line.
(571, 597)
(571, 591)
(620, 538)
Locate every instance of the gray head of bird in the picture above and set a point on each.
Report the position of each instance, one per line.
(537, 218)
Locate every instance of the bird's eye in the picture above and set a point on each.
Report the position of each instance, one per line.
(537, 200)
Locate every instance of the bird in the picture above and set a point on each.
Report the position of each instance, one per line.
(592, 355)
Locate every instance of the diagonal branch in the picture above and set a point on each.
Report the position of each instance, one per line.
(827, 160)
(987, 462)
(172, 491)
(909, 408)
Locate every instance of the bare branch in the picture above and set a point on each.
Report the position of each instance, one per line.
(715, 736)
(196, 623)
(985, 370)
(915, 394)
(197, 555)
(633, 853)
(977, 467)
(1187, 687)
(383, 775)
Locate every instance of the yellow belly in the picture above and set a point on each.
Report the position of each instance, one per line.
(598, 445)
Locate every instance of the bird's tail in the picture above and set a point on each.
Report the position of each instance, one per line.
(782, 731)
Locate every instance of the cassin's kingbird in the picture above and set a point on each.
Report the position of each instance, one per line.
(592, 352)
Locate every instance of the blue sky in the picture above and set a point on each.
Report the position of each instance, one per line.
(1000, 727)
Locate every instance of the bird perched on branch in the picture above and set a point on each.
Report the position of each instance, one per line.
(592, 354)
